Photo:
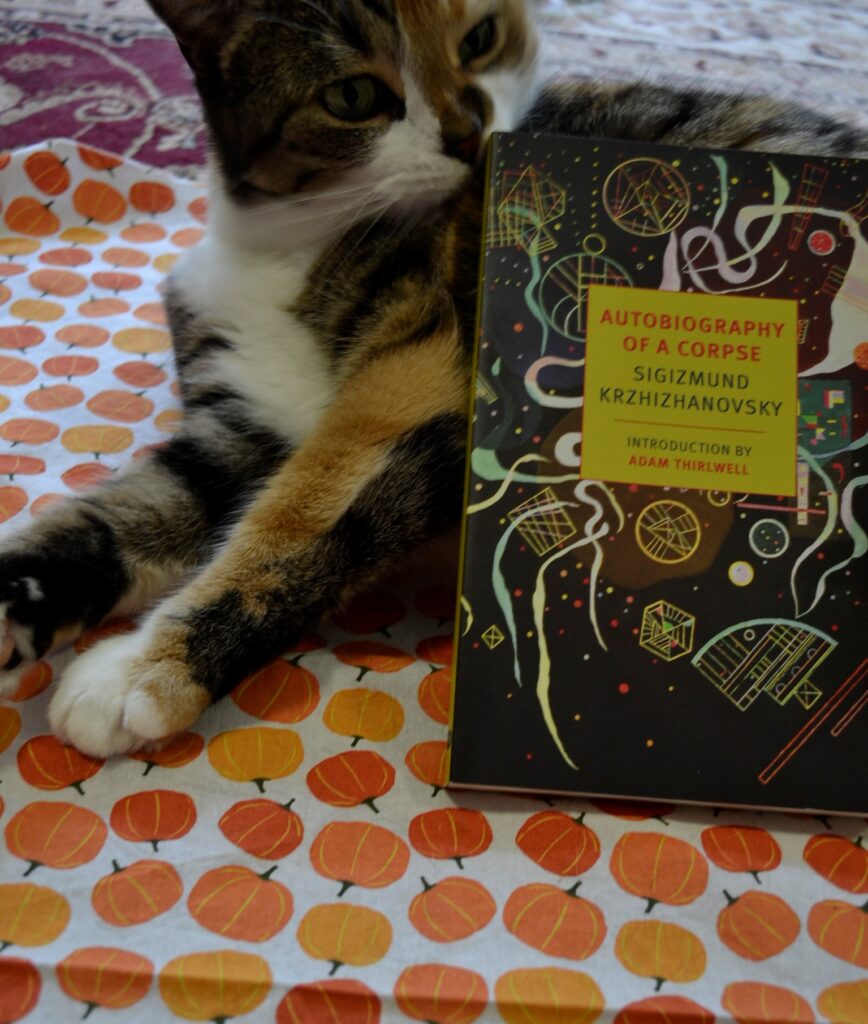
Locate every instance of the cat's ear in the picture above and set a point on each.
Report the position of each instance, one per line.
(198, 26)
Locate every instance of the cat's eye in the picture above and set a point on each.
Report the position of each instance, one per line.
(479, 41)
(355, 99)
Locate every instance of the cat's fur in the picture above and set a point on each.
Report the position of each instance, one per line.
(323, 332)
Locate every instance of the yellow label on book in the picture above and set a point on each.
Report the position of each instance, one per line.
(690, 390)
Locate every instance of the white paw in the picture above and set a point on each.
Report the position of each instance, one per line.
(100, 706)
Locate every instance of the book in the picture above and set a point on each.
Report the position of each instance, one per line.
(663, 591)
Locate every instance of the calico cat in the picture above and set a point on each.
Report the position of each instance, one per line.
(322, 331)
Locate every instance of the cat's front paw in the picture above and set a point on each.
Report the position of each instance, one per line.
(122, 695)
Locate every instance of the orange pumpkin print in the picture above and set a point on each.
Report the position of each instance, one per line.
(31, 915)
(846, 1003)
(343, 933)
(12, 501)
(755, 1002)
(21, 465)
(35, 680)
(548, 995)
(339, 1001)
(351, 779)
(137, 893)
(116, 281)
(371, 612)
(30, 217)
(40, 310)
(63, 283)
(142, 341)
(279, 692)
(841, 930)
(358, 853)
(663, 1010)
(21, 336)
(152, 197)
(20, 985)
(660, 950)
(47, 172)
(12, 246)
(153, 816)
(56, 835)
(435, 695)
(69, 367)
(741, 848)
(436, 650)
(85, 475)
(263, 828)
(98, 159)
(453, 909)
(365, 715)
(429, 762)
(83, 236)
(143, 233)
(215, 986)
(82, 335)
(97, 440)
(256, 755)
(106, 977)
(659, 868)
(178, 753)
(555, 922)
(103, 307)
(120, 256)
(140, 374)
(438, 994)
(558, 843)
(10, 726)
(46, 763)
(452, 833)
(105, 629)
(634, 810)
(70, 256)
(841, 861)
(369, 656)
(15, 372)
(99, 201)
(121, 406)
(238, 904)
(199, 208)
(54, 397)
(757, 925)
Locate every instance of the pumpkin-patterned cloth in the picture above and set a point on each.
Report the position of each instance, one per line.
(293, 858)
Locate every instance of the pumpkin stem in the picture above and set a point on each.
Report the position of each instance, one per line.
(458, 862)
(362, 673)
(437, 789)
(260, 784)
(4, 946)
(864, 907)
(266, 876)
(652, 903)
(288, 807)
(755, 874)
(77, 787)
(574, 890)
(824, 821)
(345, 887)
(148, 767)
(662, 821)
(356, 739)
(730, 899)
(427, 884)
(156, 845)
(581, 818)
(433, 668)
(116, 868)
(659, 984)
(371, 804)
(335, 965)
(858, 842)
(90, 1008)
(34, 864)
(295, 661)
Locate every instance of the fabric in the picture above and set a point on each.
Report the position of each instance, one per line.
(107, 73)
(293, 857)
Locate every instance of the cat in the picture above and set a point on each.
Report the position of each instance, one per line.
(323, 332)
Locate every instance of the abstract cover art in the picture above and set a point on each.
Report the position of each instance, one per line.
(684, 618)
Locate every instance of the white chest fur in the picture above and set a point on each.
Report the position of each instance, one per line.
(276, 362)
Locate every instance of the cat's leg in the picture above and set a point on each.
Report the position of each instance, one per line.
(382, 472)
(115, 549)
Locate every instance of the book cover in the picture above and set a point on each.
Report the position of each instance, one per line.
(664, 589)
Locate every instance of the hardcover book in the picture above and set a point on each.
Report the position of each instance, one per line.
(663, 590)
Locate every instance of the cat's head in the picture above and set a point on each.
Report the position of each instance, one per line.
(393, 96)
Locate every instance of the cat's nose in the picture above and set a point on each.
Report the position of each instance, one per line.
(464, 147)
